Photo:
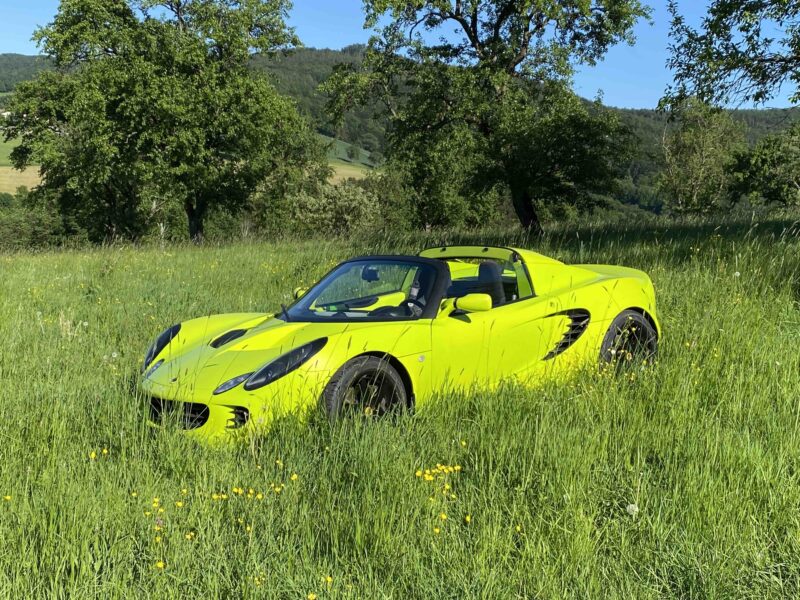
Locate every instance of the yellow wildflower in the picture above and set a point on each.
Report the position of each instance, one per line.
(436, 530)
(468, 519)
(7, 498)
(294, 477)
(92, 455)
(160, 564)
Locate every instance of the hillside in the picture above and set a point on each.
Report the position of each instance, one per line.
(15, 68)
(300, 73)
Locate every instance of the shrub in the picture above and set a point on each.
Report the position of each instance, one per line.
(330, 210)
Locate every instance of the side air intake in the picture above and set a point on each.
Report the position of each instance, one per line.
(578, 322)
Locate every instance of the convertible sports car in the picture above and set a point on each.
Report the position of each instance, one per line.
(380, 333)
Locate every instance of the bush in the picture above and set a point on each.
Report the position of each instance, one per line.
(25, 224)
(332, 210)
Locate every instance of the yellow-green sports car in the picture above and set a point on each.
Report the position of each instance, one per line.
(380, 333)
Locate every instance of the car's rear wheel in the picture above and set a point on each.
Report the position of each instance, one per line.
(630, 341)
(364, 386)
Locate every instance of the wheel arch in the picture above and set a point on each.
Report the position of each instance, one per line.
(401, 370)
(650, 319)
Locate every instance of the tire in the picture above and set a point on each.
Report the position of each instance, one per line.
(631, 340)
(367, 386)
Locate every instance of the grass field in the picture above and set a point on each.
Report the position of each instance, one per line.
(343, 171)
(5, 152)
(683, 482)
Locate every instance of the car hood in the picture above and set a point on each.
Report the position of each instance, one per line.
(195, 367)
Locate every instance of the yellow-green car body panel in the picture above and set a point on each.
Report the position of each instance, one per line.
(534, 303)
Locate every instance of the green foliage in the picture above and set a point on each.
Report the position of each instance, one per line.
(702, 446)
(150, 114)
(698, 156)
(468, 113)
(299, 74)
(746, 50)
(27, 224)
(770, 172)
(334, 210)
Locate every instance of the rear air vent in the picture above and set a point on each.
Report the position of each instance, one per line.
(227, 337)
(578, 322)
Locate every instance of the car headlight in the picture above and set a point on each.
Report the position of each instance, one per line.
(284, 364)
(154, 368)
(161, 342)
(232, 383)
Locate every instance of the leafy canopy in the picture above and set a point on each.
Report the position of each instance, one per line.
(745, 50)
(152, 111)
(699, 155)
(467, 110)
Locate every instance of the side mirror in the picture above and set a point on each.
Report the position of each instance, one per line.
(299, 292)
(370, 274)
(473, 303)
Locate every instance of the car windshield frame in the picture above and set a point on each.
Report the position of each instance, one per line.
(299, 311)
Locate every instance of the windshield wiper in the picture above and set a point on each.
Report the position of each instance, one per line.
(285, 312)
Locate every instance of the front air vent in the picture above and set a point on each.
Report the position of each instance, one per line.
(578, 322)
(187, 415)
(239, 417)
(227, 337)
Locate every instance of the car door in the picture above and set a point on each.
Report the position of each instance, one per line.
(519, 338)
(459, 353)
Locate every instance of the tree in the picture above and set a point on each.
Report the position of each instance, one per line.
(460, 107)
(152, 109)
(354, 153)
(770, 172)
(745, 50)
(698, 157)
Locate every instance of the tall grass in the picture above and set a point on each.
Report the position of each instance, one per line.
(683, 481)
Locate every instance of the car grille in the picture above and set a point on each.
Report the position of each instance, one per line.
(187, 415)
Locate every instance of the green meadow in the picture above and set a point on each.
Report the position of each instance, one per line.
(680, 480)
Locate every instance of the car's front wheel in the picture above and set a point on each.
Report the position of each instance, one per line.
(365, 385)
(631, 340)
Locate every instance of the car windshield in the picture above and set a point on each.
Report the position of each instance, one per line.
(369, 289)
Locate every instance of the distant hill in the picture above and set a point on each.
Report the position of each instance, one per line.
(15, 68)
(300, 73)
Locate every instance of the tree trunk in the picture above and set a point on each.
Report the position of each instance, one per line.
(526, 212)
(195, 218)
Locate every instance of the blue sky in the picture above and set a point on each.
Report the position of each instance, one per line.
(632, 77)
